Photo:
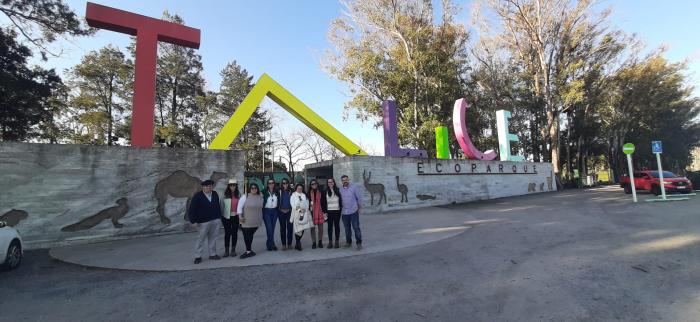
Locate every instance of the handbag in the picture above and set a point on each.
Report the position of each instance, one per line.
(302, 218)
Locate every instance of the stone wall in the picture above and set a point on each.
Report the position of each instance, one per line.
(58, 194)
(432, 182)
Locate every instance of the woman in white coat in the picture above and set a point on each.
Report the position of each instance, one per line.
(300, 218)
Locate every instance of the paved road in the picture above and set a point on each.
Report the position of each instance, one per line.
(564, 256)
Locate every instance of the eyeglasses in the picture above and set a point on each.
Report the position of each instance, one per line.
(285, 182)
(313, 184)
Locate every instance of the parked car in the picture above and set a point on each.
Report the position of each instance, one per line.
(11, 250)
(649, 180)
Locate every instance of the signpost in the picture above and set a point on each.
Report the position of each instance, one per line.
(657, 149)
(628, 149)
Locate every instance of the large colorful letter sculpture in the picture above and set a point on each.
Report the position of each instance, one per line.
(148, 32)
(504, 137)
(391, 135)
(266, 86)
(442, 146)
(462, 134)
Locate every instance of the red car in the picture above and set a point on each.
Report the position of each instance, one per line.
(649, 180)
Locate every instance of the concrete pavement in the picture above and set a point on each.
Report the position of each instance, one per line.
(175, 252)
(574, 255)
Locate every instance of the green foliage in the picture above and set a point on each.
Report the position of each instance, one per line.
(650, 101)
(103, 81)
(26, 102)
(235, 85)
(179, 82)
(39, 22)
(395, 50)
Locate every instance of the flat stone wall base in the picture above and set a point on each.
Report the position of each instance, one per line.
(62, 194)
(390, 184)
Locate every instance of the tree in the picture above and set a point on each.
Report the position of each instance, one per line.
(51, 17)
(235, 85)
(179, 82)
(394, 49)
(650, 101)
(211, 116)
(103, 81)
(317, 147)
(25, 93)
(536, 32)
(293, 152)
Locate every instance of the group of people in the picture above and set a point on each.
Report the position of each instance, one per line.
(296, 210)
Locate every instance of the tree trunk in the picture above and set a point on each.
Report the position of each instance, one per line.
(109, 113)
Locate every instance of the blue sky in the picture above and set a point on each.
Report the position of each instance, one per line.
(286, 40)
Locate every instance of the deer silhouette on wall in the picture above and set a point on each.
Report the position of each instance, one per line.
(180, 185)
(403, 189)
(373, 188)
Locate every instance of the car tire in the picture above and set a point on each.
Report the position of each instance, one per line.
(14, 255)
(628, 189)
(656, 190)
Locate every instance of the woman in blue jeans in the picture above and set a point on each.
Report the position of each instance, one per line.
(285, 210)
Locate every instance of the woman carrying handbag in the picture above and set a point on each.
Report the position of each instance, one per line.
(301, 218)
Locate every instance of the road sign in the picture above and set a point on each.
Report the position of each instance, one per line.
(656, 147)
(628, 148)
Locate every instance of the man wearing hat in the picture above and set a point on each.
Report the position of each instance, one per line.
(205, 215)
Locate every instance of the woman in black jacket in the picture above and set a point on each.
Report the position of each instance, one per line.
(331, 204)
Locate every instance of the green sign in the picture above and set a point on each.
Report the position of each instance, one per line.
(628, 148)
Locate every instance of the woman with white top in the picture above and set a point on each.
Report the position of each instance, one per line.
(331, 204)
(301, 218)
(229, 212)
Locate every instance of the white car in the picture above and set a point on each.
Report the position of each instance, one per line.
(10, 247)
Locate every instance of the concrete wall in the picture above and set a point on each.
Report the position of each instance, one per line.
(431, 182)
(57, 194)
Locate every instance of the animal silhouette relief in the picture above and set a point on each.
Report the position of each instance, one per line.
(180, 185)
(532, 187)
(403, 189)
(114, 213)
(425, 197)
(373, 188)
(542, 186)
(13, 217)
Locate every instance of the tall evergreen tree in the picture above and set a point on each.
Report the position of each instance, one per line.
(102, 81)
(235, 85)
(25, 93)
(179, 82)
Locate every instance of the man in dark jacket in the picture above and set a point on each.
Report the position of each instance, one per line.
(205, 215)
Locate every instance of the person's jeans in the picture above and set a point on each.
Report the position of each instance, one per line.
(354, 220)
(333, 224)
(286, 228)
(230, 232)
(270, 218)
